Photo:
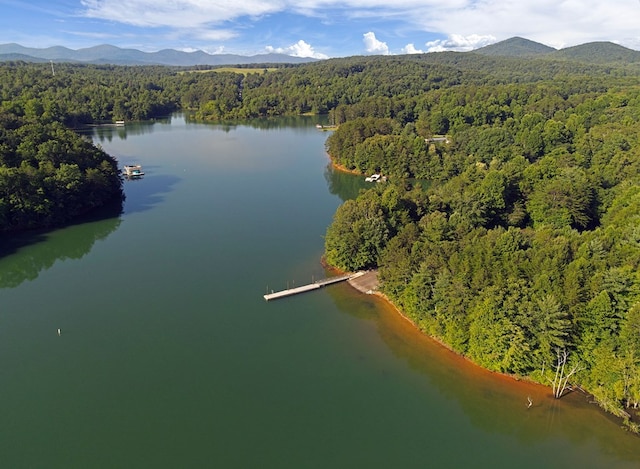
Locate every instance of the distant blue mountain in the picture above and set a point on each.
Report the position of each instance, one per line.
(107, 54)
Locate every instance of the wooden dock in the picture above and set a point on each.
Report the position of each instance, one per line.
(312, 286)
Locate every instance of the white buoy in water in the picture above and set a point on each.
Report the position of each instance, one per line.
(58, 331)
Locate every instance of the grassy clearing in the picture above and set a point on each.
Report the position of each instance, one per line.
(243, 71)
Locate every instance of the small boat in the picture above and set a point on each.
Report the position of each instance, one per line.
(133, 171)
(373, 178)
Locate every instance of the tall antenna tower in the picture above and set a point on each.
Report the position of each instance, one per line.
(52, 69)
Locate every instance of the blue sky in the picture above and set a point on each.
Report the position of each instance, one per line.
(316, 28)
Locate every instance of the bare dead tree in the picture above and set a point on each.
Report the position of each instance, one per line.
(560, 382)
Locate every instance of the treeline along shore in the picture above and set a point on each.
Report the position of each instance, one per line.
(522, 254)
(513, 237)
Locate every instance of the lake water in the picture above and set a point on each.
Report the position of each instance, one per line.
(168, 355)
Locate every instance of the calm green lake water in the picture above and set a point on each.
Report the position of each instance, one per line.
(169, 356)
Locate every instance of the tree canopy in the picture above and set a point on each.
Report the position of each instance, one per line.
(49, 175)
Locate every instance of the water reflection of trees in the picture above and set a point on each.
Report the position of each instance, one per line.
(23, 256)
(107, 132)
(345, 185)
(263, 123)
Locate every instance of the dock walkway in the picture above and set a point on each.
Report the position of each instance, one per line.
(366, 283)
(312, 286)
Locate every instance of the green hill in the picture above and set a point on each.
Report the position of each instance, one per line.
(599, 53)
(515, 47)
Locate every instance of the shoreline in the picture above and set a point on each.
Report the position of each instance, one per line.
(512, 378)
(344, 169)
(434, 339)
(391, 304)
(539, 391)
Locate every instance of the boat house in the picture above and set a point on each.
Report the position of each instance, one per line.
(133, 171)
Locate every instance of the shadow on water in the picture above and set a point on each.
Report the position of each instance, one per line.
(145, 193)
(491, 401)
(18, 264)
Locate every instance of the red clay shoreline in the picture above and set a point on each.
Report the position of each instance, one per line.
(344, 169)
(509, 379)
(433, 339)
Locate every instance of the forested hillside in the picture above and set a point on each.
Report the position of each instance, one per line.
(523, 253)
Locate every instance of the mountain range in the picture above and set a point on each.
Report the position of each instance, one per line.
(592, 52)
(107, 54)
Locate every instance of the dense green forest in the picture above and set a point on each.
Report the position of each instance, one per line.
(523, 252)
(49, 175)
(514, 238)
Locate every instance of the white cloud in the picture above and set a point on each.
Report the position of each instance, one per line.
(557, 23)
(299, 49)
(217, 50)
(411, 49)
(212, 34)
(460, 43)
(373, 46)
(177, 14)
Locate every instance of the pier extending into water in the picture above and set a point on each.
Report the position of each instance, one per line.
(312, 286)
